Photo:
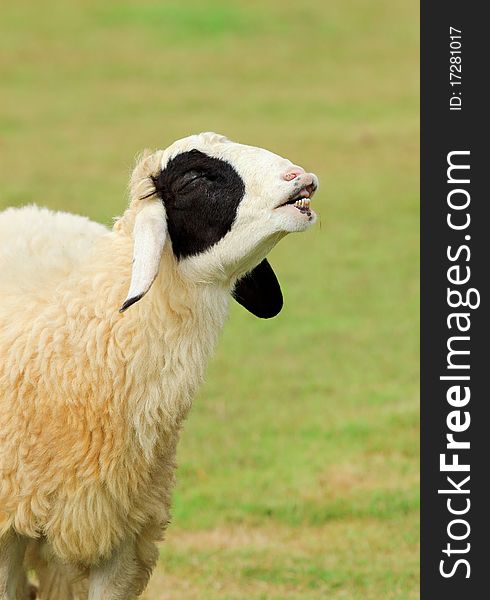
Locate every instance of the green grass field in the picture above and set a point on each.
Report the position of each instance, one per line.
(298, 474)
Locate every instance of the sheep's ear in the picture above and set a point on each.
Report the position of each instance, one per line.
(149, 233)
(259, 291)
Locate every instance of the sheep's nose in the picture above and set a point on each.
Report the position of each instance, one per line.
(293, 173)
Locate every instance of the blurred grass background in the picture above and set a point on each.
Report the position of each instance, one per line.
(298, 469)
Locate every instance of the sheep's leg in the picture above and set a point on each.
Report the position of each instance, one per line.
(119, 578)
(13, 581)
(59, 582)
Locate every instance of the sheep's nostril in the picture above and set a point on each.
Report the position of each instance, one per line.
(293, 173)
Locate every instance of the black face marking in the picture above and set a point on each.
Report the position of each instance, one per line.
(201, 195)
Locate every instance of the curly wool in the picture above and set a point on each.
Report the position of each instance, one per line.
(91, 400)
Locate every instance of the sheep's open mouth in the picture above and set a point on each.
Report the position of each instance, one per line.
(302, 204)
(301, 200)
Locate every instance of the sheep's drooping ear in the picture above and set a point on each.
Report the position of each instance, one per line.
(259, 291)
(149, 233)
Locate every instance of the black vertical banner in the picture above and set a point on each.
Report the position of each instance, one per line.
(455, 309)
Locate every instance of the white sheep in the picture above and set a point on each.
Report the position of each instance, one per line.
(95, 380)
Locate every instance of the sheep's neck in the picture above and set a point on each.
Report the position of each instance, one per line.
(175, 333)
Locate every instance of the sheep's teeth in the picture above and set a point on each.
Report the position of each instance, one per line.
(302, 204)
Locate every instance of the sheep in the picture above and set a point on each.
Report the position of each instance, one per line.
(104, 338)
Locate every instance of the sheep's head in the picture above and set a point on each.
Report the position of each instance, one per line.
(223, 206)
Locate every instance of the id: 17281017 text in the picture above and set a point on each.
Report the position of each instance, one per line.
(455, 71)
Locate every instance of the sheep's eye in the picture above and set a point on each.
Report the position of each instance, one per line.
(193, 176)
